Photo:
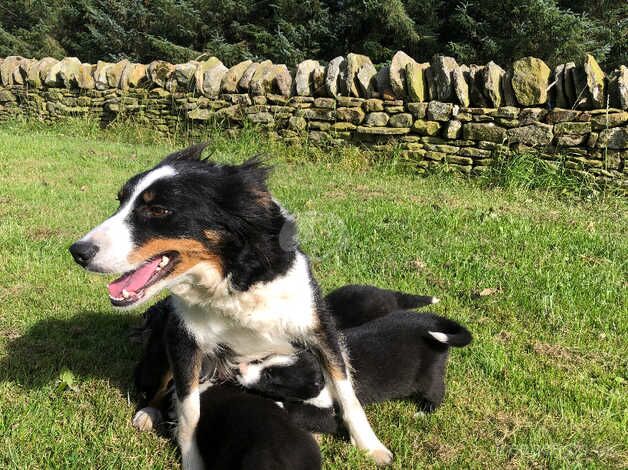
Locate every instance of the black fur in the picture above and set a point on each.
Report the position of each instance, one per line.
(284, 386)
(393, 357)
(354, 305)
(238, 430)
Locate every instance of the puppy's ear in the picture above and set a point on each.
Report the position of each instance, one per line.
(193, 152)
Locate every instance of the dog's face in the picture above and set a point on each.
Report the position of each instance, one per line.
(183, 217)
(296, 377)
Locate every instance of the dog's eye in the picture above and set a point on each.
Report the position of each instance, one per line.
(156, 211)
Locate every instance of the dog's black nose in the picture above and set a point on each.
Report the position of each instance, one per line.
(83, 252)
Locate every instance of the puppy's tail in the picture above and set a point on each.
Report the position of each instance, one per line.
(411, 301)
(446, 331)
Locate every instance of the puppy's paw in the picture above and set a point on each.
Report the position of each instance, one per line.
(381, 456)
(147, 419)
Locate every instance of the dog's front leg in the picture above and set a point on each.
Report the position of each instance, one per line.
(338, 375)
(185, 358)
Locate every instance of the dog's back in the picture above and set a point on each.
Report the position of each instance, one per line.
(238, 430)
(353, 305)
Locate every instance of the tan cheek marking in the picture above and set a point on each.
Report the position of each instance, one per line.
(191, 252)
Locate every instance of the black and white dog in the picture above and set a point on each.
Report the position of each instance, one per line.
(214, 236)
(400, 355)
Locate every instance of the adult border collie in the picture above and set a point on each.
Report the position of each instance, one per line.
(214, 236)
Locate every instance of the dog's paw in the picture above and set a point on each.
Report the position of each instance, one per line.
(147, 419)
(381, 456)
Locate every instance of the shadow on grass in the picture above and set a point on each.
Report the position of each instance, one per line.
(92, 345)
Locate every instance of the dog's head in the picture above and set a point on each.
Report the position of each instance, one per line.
(188, 218)
(296, 377)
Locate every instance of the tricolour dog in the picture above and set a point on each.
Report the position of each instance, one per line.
(214, 236)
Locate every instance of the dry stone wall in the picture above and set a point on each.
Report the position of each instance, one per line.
(437, 113)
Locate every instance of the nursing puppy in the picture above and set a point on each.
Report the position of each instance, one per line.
(401, 355)
(236, 430)
(215, 237)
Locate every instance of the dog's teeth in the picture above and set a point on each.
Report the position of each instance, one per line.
(125, 294)
(158, 268)
(164, 261)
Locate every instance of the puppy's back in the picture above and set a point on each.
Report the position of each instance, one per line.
(404, 352)
(353, 305)
(238, 430)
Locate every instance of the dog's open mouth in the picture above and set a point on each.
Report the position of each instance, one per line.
(131, 286)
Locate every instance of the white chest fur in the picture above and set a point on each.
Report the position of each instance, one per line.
(261, 321)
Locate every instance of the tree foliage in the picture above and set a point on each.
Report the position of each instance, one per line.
(292, 30)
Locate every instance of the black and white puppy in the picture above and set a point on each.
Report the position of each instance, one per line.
(215, 237)
(236, 429)
(400, 355)
(354, 304)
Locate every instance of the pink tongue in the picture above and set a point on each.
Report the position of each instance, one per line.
(134, 280)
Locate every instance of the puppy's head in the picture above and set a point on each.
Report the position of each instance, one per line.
(186, 217)
(296, 377)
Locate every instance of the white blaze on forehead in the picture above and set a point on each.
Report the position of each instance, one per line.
(113, 237)
(250, 373)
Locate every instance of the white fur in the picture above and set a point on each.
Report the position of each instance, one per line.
(113, 236)
(188, 412)
(357, 423)
(438, 336)
(435, 300)
(322, 400)
(147, 419)
(250, 373)
(255, 323)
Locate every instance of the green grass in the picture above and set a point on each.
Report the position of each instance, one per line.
(542, 385)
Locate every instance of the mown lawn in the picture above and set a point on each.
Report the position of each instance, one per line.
(539, 279)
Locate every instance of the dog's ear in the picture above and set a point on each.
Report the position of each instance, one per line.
(193, 152)
(256, 168)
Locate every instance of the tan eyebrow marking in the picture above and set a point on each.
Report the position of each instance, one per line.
(148, 196)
